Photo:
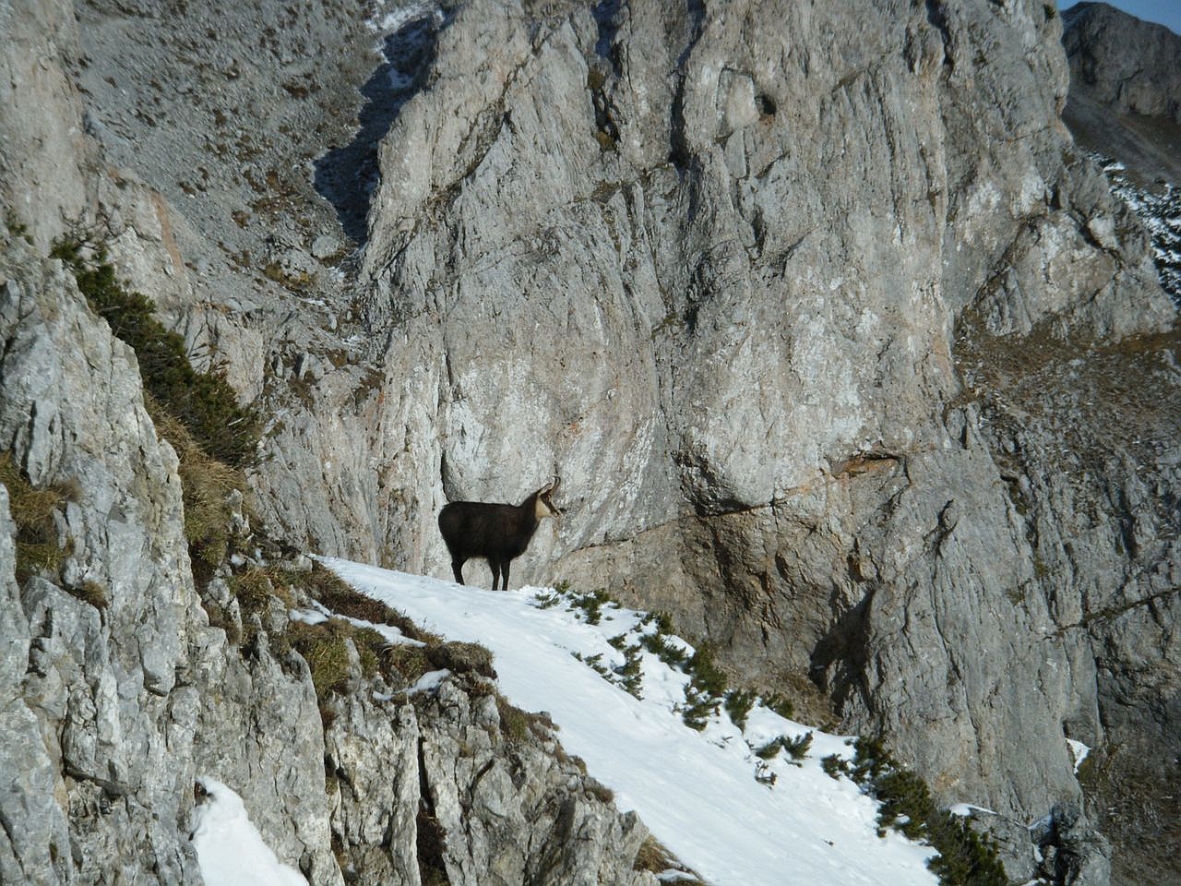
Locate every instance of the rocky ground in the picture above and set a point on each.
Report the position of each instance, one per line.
(259, 124)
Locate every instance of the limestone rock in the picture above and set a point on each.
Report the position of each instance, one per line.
(91, 722)
(1125, 90)
(114, 704)
(44, 178)
(739, 322)
(487, 774)
(846, 357)
(1145, 82)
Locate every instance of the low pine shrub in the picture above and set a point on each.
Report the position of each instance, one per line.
(592, 604)
(797, 748)
(965, 857)
(658, 645)
(738, 705)
(706, 689)
(203, 402)
(781, 705)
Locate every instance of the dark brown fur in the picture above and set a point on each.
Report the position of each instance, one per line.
(499, 533)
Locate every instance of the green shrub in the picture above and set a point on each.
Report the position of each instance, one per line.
(658, 645)
(664, 622)
(204, 402)
(630, 675)
(870, 760)
(781, 705)
(834, 766)
(769, 750)
(707, 687)
(707, 676)
(594, 662)
(738, 704)
(906, 803)
(965, 858)
(797, 748)
(592, 604)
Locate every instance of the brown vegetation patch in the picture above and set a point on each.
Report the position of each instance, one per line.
(335, 594)
(33, 510)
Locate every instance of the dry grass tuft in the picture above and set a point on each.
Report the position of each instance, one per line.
(38, 551)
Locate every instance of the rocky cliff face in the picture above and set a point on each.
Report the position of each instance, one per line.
(1125, 92)
(844, 356)
(1130, 116)
(118, 692)
(783, 278)
(1145, 82)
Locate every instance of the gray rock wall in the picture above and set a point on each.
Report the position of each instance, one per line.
(1125, 92)
(94, 688)
(793, 298)
(44, 177)
(716, 283)
(1145, 82)
(118, 693)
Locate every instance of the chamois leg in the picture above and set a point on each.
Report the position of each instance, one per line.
(504, 574)
(457, 568)
(495, 567)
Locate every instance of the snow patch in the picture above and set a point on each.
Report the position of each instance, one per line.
(967, 810)
(308, 616)
(394, 20)
(1079, 751)
(230, 850)
(1160, 211)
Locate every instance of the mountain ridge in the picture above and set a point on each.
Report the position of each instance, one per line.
(1124, 105)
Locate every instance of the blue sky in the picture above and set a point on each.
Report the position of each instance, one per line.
(1163, 12)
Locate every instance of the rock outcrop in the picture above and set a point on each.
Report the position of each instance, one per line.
(738, 304)
(1125, 89)
(748, 286)
(118, 692)
(1147, 81)
(845, 358)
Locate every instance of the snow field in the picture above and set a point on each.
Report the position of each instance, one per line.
(696, 791)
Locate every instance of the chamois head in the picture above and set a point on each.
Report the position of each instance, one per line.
(544, 502)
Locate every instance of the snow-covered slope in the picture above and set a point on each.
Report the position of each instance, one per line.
(732, 817)
(1160, 210)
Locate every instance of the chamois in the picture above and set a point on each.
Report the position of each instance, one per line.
(497, 532)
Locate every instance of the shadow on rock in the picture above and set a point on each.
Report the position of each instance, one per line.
(347, 176)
